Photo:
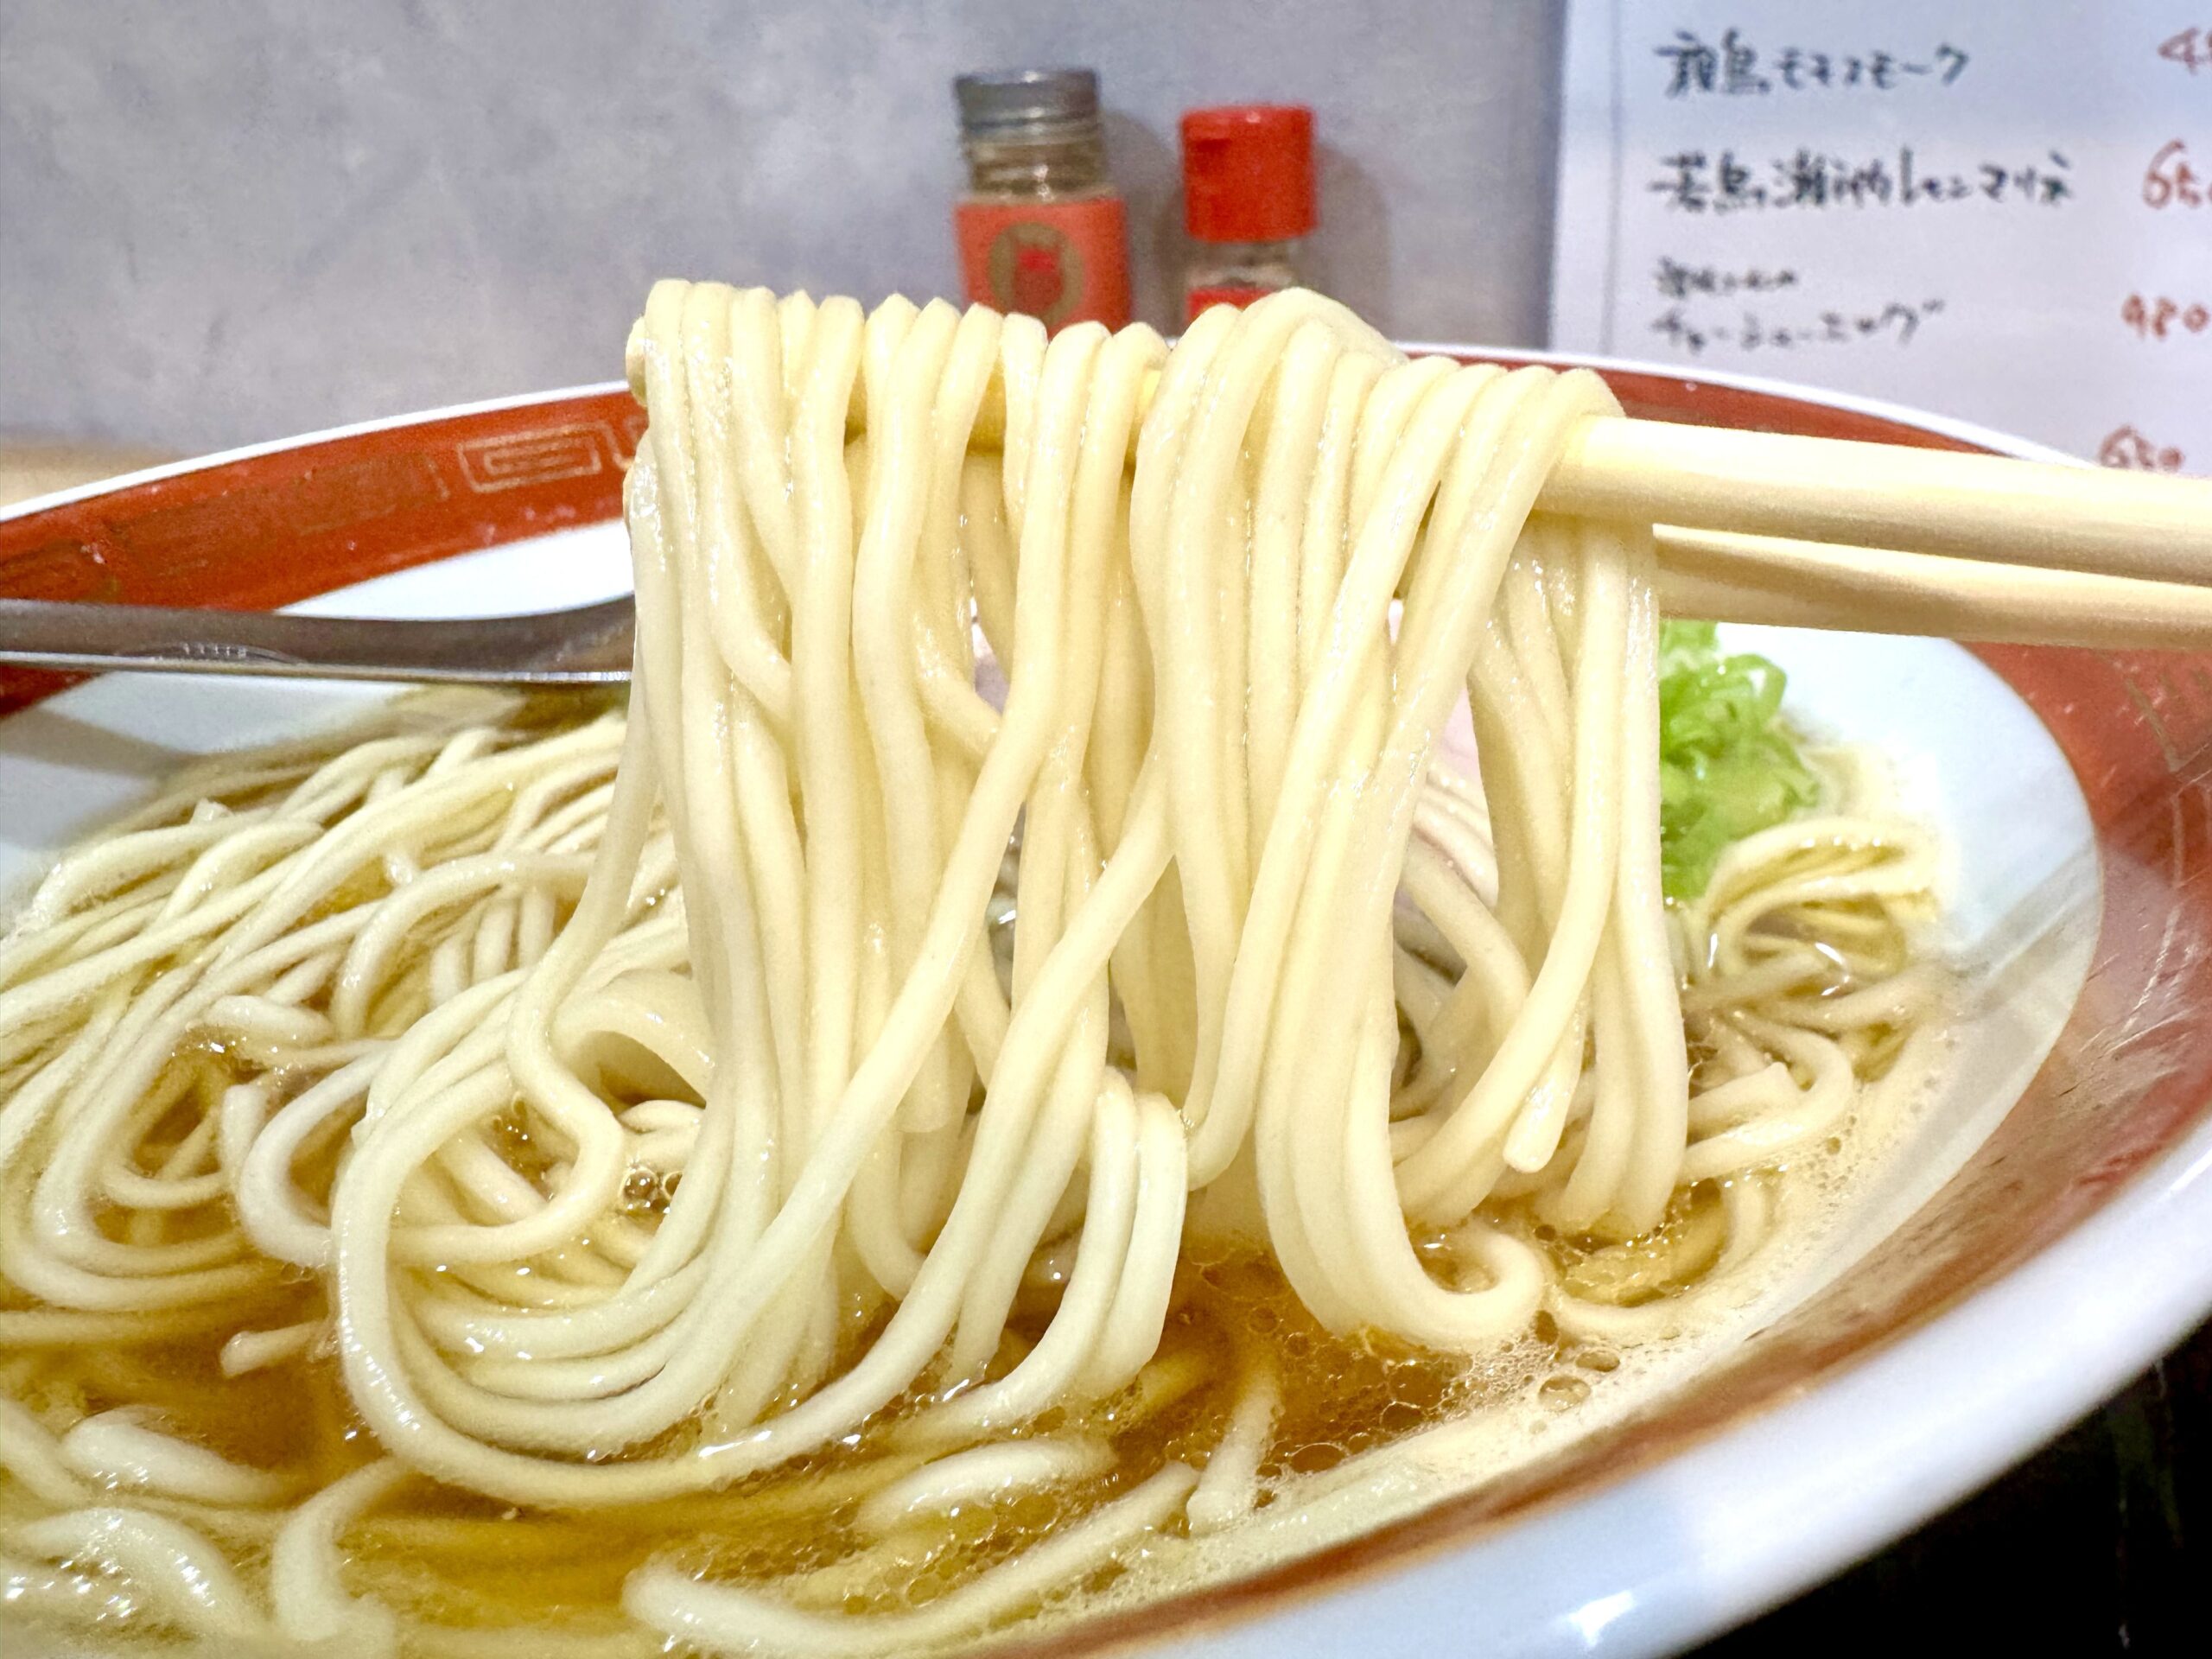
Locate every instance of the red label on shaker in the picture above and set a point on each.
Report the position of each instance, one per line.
(1236, 294)
(1061, 262)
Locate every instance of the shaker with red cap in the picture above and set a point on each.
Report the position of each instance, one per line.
(1248, 200)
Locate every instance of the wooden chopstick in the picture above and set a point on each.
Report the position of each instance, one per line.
(1728, 577)
(1962, 506)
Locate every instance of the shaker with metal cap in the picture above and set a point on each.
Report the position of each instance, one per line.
(1042, 229)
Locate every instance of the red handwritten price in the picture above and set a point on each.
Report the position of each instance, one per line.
(2159, 318)
(2127, 448)
(2191, 48)
(2171, 180)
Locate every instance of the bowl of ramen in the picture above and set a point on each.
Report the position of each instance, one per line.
(1169, 1013)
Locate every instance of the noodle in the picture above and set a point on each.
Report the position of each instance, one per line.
(673, 1100)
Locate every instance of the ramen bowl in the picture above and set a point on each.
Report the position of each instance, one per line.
(2041, 1230)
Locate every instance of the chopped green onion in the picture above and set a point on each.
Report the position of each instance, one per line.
(1727, 765)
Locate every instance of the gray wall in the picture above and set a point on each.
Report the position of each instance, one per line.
(235, 219)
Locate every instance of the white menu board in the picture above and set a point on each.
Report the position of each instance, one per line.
(2002, 213)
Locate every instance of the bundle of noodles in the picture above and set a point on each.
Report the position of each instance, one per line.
(649, 1120)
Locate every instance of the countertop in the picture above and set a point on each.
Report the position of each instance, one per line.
(2098, 1545)
(29, 468)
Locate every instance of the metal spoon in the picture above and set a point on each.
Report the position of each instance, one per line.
(587, 645)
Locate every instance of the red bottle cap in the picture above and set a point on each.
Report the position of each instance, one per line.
(1247, 173)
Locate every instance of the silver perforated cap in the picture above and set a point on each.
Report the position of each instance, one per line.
(1038, 101)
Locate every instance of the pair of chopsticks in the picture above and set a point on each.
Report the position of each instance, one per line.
(1879, 538)
(1819, 532)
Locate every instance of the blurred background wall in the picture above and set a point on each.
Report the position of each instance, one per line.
(238, 220)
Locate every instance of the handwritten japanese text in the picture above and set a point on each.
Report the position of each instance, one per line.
(1693, 181)
(1735, 67)
(1895, 323)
